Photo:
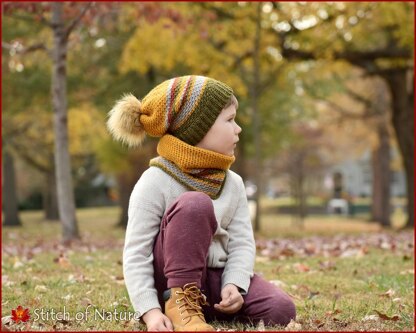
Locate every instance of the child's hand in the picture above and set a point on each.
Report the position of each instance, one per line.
(156, 321)
(232, 301)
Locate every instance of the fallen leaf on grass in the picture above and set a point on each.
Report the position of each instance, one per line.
(358, 253)
(4, 328)
(301, 267)
(8, 325)
(385, 317)
(276, 270)
(63, 321)
(408, 271)
(118, 279)
(61, 325)
(318, 323)
(260, 326)
(41, 288)
(286, 252)
(89, 259)
(327, 265)
(278, 283)
(262, 259)
(8, 284)
(333, 313)
(224, 329)
(312, 294)
(34, 302)
(131, 323)
(62, 261)
(304, 292)
(293, 326)
(78, 278)
(340, 322)
(389, 293)
(387, 245)
(85, 302)
(17, 264)
(398, 300)
(293, 296)
(6, 322)
(371, 318)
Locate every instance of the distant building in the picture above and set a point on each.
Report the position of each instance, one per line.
(357, 177)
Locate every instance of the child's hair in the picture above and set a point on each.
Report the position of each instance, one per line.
(185, 107)
(232, 101)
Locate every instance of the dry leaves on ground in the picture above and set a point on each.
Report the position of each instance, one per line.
(401, 243)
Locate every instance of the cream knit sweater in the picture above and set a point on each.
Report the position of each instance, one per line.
(232, 247)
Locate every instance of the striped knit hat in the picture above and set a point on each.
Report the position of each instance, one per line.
(185, 107)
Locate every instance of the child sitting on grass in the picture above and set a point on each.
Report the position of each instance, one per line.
(189, 248)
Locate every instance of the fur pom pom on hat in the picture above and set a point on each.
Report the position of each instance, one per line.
(185, 107)
(123, 121)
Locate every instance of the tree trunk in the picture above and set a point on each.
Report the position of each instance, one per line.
(10, 202)
(380, 208)
(254, 92)
(403, 123)
(302, 199)
(50, 202)
(66, 202)
(299, 191)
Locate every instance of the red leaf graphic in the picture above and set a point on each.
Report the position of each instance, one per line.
(20, 315)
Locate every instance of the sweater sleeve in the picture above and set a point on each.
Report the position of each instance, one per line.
(145, 213)
(241, 246)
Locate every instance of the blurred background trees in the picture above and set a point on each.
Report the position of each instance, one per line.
(317, 83)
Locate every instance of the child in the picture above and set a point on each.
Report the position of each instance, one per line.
(189, 249)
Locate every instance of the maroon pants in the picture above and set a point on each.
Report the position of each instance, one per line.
(180, 257)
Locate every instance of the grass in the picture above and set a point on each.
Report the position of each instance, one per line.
(38, 273)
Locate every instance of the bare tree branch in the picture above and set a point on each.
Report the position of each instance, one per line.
(359, 58)
(29, 158)
(353, 94)
(76, 20)
(24, 50)
(351, 115)
(367, 103)
(10, 131)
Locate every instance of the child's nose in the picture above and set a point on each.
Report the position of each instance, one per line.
(238, 129)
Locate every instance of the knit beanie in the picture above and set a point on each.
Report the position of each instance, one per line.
(185, 107)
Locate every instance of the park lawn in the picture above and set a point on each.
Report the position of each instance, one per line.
(336, 293)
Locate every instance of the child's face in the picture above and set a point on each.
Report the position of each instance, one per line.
(223, 135)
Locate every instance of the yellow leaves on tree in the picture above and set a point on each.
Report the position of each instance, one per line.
(156, 45)
(86, 128)
(31, 133)
(169, 47)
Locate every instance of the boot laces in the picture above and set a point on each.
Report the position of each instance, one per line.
(192, 299)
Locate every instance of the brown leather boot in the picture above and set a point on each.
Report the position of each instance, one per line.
(183, 308)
